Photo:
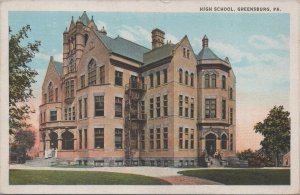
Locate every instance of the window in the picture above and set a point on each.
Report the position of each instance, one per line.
(119, 78)
(70, 113)
(157, 106)
(142, 106)
(67, 140)
(231, 116)
(192, 139)
(67, 89)
(99, 105)
(180, 137)
(158, 78)
(82, 81)
(231, 141)
(143, 139)
(151, 108)
(44, 117)
(186, 141)
(165, 105)
(165, 138)
(85, 107)
(73, 113)
(231, 93)
(223, 82)
(80, 139)
(213, 81)
(223, 109)
(118, 106)
(165, 76)
(224, 142)
(102, 74)
(207, 81)
(45, 98)
(72, 88)
(92, 72)
(186, 112)
(180, 105)
(85, 139)
(53, 115)
(192, 107)
(186, 78)
(158, 138)
(86, 37)
(210, 108)
(118, 138)
(180, 75)
(99, 138)
(188, 53)
(192, 79)
(41, 117)
(80, 108)
(66, 114)
(71, 66)
(50, 92)
(56, 94)
(151, 139)
(151, 80)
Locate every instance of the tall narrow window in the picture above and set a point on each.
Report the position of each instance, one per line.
(231, 116)
(142, 107)
(165, 105)
(73, 113)
(184, 52)
(180, 75)
(80, 139)
(192, 79)
(210, 108)
(180, 105)
(53, 115)
(165, 146)
(44, 117)
(231, 93)
(157, 106)
(92, 72)
(66, 114)
(80, 108)
(207, 81)
(231, 141)
(67, 89)
(118, 138)
(192, 108)
(158, 78)
(151, 80)
(70, 113)
(158, 138)
(50, 92)
(56, 94)
(224, 142)
(213, 80)
(192, 139)
(82, 81)
(180, 137)
(151, 139)
(186, 81)
(102, 74)
(41, 117)
(99, 138)
(186, 112)
(143, 139)
(99, 105)
(72, 88)
(223, 109)
(45, 98)
(186, 141)
(86, 37)
(151, 108)
(165, 76)
(118, 106)
(188, 53)
(119, 78)
(85, 139)
(85, 107)
(223, 82)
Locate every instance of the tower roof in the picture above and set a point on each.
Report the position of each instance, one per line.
(84, 18)
(206, 53)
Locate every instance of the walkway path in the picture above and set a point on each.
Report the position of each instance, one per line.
(186, 180)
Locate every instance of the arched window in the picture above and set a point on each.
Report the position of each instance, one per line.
(180, 75)
(50, 92)
(86, 37)
(224, 142)
(213, 80)
(92, 72)
(67, 141)
(186, 78)
(192, 79)
(231, 93)
(223, 82)
(53, 140)
(207, 81)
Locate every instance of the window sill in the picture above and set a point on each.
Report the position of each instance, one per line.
(99, 149)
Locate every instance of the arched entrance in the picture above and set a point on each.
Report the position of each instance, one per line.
(67, 140)
(210, 143)
(53, 140)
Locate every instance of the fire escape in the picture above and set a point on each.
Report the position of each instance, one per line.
(135, 118)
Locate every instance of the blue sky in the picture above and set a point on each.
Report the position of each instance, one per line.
(256, 44)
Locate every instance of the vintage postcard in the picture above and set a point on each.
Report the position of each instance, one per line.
(160, 97)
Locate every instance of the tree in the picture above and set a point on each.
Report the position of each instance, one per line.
(24, 141)
(21, 78)
(276, 131)
(255, 158)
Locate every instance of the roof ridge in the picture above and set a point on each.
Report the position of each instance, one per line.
(131, 42)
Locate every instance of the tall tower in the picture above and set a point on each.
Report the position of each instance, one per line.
(158, 37)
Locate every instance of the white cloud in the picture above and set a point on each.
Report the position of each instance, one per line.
(127, 35)
(263, 42)
(46, 57)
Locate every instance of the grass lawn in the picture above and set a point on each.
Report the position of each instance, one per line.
(243, 176)
(51, 177)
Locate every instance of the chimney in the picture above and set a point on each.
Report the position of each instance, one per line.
(158, 37)
(205, 41)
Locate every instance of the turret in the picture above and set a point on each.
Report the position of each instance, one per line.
(158, 37)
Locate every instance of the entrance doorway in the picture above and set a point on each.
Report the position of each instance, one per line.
(210, 144)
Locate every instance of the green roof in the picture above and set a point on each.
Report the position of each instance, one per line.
(59, 68)
(123, 47)
(207, 54)
(84, 18)
(158, 53)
